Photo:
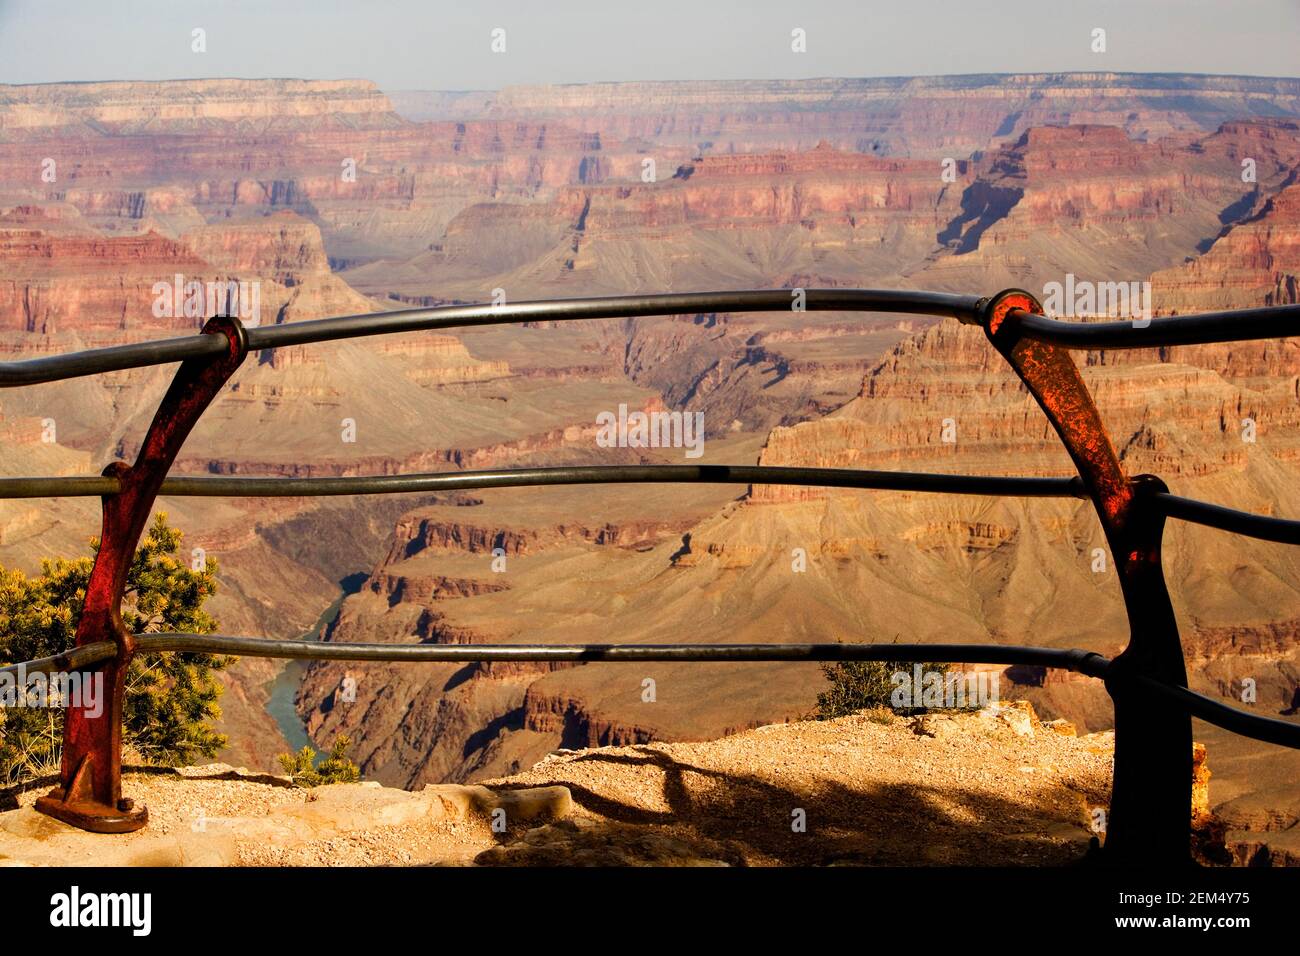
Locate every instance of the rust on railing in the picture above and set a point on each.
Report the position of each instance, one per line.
(90, 796)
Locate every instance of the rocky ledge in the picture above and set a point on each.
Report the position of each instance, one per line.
(993, 787)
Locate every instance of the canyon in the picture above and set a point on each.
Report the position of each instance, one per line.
(340, 199)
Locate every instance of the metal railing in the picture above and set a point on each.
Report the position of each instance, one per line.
(1151, 789)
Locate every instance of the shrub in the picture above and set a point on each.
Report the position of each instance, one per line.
(171, 699)
(336, 768)
(865, 685)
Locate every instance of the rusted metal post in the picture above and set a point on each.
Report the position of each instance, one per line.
(1151, 795)
(90, 795)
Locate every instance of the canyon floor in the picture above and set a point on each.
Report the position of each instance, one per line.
(988, 788)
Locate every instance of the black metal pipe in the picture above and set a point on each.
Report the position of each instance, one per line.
(213, 486)
(613, 307)
(1073, 659)
(1266, 729)
(73, 659)
(1270, 730)
(53, 368)
(94, 361)
(1283, 530)
(67, 487)
(1242, 325)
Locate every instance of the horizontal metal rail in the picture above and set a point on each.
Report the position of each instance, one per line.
(73, 659)
(613, 307)
(1074, 660)
(238, 487)
(1244, 523)
(1243, 325)
(1270, 730)
(93, 361)
(1263, 527)
(1085, 662)
(1273, 322)
(53, 368)
(1267, 729)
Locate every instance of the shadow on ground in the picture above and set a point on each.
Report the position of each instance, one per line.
(742, 820)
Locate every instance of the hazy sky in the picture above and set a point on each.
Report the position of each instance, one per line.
(402, 44)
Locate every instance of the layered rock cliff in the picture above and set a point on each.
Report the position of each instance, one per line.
(928, 116)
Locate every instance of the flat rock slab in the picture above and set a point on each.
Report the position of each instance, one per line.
(220, 816)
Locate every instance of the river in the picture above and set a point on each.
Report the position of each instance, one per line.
(284, 687)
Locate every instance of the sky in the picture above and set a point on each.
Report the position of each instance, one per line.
(439, 45)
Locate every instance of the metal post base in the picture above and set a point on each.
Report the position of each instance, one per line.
(78, 807)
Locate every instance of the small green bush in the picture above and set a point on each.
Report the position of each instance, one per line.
(336, 768)
(865, 685)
